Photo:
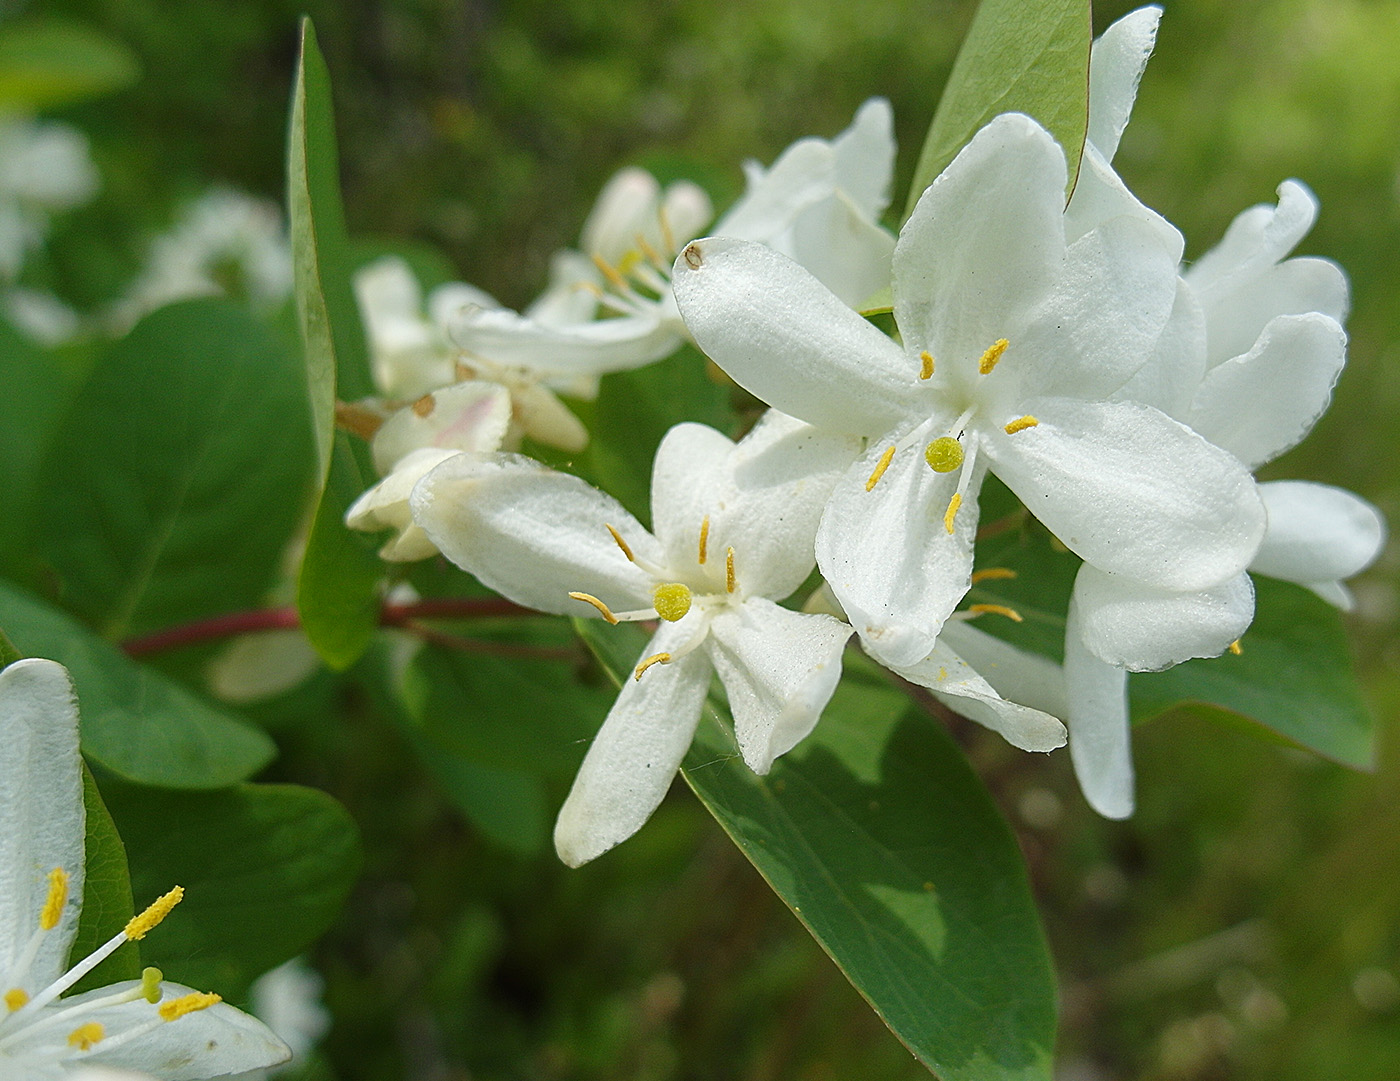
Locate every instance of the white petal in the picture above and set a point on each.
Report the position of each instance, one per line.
(958, 686)
(785, 337)
(865, 158)
(534, 535)
(627, 205)
(1116, 64)
(602, 345)
(1258, 405)
(1317, 534)
(763, 496)
(1100, 735)
(41, 814)
(983, 245)
(1132, 491)
(1236, 316)
(1257, 239)
(1133, 626)
(1174, 370)
(803, 174)
(385, 506)
(687, 211)
(567, 299)
(471, 416)
(1100, 194)
(1017, 675)
(253, 667)
(448, 301)
(543, 417)
(631, 762)
(887, 555)
(779, 669)
(845, 251)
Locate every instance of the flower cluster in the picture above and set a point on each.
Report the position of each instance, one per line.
(1126, 399)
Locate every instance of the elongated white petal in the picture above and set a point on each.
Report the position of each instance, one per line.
(958, 686)
(534, 535)
(591, 347)
(1017, 675)
(687, 211)
(448, 301)
(543, 417)
(1100, 195)
(888, 556)
(1133, 491)
(1257, 239)
(1169, 379)
(471, 416)
(1116, 64)
(1317, 534)
(865, 158)
(1133, 626)
(1260, 404)
(628, 205)
(1100, 735)
(784, 336)
(844, 250)
(41, 816)
(1235, 317)
(804, 173)
(779, 669)
(571, 295)
(984, 244)
(385, 506)
(633, 759)
(762, 496)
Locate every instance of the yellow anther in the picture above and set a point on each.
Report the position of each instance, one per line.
(588, 598)
(84, 1036)
(138, 926)
(944, 454)
(926, 360)
(729, 581)
(191, 1003)
(1236, 648)
(880, 467)
(995, 610)
(150, 984)
(655, 658)
(52, 911)
(15, 998)
(704, 538)
(987, 574)
(616, 280)
(991, 356)
(671, 601)
(1020, 424)
(622, 544)
(952, 512)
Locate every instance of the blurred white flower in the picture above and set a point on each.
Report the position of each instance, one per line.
(44, 167)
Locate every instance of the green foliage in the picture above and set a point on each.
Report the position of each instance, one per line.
(135, 721)
(1016, 58)
(31, 401)
(59, 62)
(107, 904)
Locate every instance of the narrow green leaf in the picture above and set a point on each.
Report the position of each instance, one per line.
(1018, 57)
(882, 841)
(135, 722)
(183, 464)
(1293, 675)
(266, 869)
(58, 62)
(107, 902)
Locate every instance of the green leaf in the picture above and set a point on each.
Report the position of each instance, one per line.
(1019, 57)
(507, 806)
(135, 722)
(8, 653)
(52, 63)
(32, 397)
(107, 902)
(183, 465)
(1293, 675)
(266, 869)
(882, 841)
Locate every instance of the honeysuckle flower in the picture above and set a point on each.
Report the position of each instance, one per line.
(44, 167)
(42, 316)
(733, 526)
(154, 1027)
(1013, 341)
(819, 203)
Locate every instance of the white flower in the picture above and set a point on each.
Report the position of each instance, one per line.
(733, 534)
(44, 166)
(820, 203)
(167, 1031)
(1013, 340)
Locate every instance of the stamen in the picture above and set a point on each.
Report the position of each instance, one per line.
(1020, 424)
(616, 280)
(588, 598)
(996, 610)
(668, 237)
(139, 926)
(672, 601)
(150, 984)
(704, 538)
(952, 512)
(57, 898)
(655, 658)
(84, 1036)
(987, 574)
(622, 544)
(926, 359)
(991, 356)
(646, 249)
(1236, 648)
(944, 454)
(729, 582)
(880, 467)
(191, 1003)
(16, 998)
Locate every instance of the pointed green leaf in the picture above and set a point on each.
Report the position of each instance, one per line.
(58, 62)
(1018, 57)
(883, 842)
(107, 902)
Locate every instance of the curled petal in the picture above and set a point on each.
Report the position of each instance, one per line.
(584, 348)
(1100, 736)
(1257, 239)
(471, 416)
(385, 506)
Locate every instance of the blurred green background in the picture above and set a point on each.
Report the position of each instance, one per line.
(1245, 924)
